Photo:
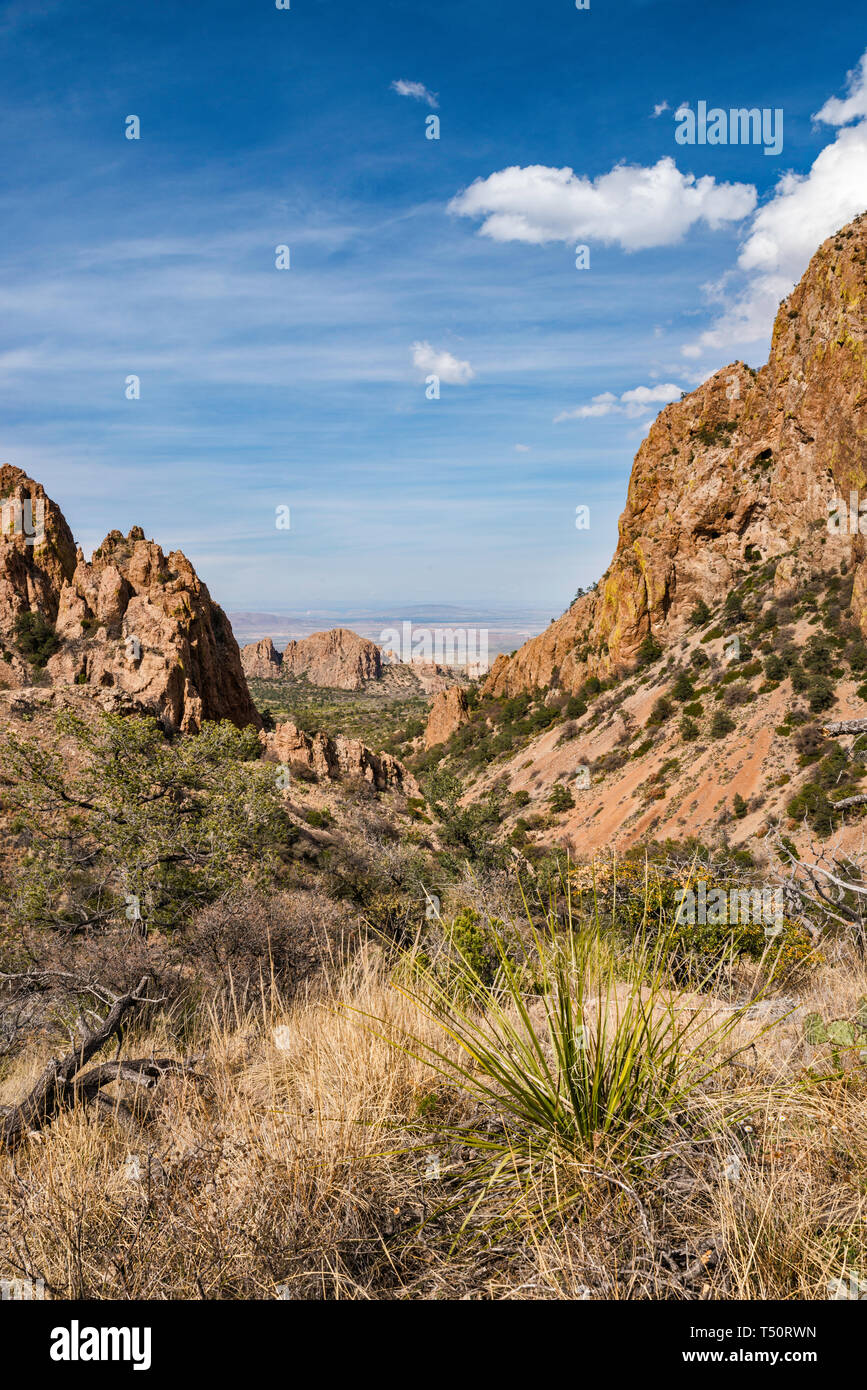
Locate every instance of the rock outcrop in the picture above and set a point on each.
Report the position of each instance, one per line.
(744, 466)
(132, 620)
(338, 658)
(261, 660)
(37, 557)
(335, 759)
(448, 711)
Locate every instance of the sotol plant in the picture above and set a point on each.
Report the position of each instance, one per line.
(566, 1046)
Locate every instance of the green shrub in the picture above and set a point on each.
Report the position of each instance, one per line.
(811, 803)
(649, 650)
(661, 711)
(721, 724)
(575, 706)
(35, 638)
(561, 798)
(775, 668)
(820, 693)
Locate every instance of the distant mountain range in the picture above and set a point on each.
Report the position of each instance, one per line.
(507, 628)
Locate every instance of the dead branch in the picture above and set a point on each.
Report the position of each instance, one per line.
(61, 1085)
(846, 726)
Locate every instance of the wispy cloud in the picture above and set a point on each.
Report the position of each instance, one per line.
(417, 90)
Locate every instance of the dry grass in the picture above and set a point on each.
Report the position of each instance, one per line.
(304, 1166)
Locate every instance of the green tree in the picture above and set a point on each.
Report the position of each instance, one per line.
(820, 693)
(467, 830)
(561, 798)
(124, 825)
(775, 667)
(649, 650)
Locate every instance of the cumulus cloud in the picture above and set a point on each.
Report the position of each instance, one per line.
(449, 369)
(630, 403)
(414, 89)
(804, 210)
(837, 111)
(633, 206)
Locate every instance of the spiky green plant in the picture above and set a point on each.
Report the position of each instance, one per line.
(573, 1048)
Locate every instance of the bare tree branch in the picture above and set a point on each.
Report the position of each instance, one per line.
(60, 1085)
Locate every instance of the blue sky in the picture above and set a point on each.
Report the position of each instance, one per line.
(305, 387)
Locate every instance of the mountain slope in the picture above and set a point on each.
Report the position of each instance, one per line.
(746, 463)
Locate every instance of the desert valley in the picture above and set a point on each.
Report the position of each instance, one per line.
(330, 975)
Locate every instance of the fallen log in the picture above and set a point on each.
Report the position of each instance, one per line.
(858, 800)
(846, 726)
(61, 1084)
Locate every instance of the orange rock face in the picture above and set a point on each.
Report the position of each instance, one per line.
(132, 620)
(448, 711)
(746, 460)
(338, 658)
(333, 759)
(261, 660)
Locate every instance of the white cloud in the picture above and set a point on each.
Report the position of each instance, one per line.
(600, 405)
(854, 107)
(804, 210)
(659, 108)
(414, 89)
(631, 205)
(522, 448)
(449, 369)
(630, 403)
(643, 395)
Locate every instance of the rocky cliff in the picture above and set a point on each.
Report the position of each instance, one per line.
(337, 658)
(261, 660)
(744, 466)
(449, 711)
(334, 759)
(132, 620)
